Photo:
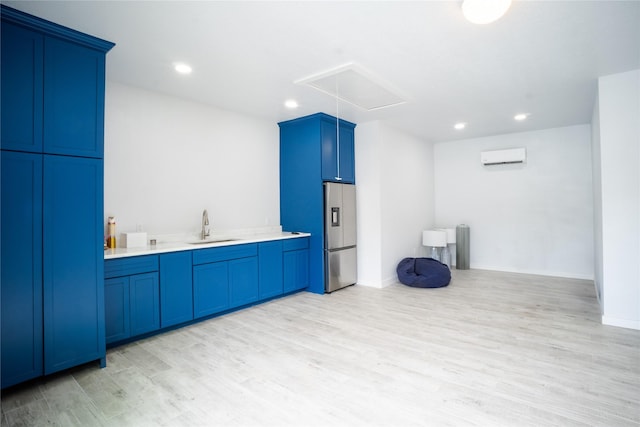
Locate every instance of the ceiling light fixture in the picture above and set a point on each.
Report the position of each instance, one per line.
(484, 11)
(460, 126)
(291, 103)
(182, 68)
(520, 117)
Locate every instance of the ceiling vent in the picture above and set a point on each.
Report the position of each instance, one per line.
(353, 84)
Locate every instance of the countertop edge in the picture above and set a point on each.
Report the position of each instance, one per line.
(185, 246)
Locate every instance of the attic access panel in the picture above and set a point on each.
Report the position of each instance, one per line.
(352, 84)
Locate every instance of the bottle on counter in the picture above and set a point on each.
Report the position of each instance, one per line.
(111, 232)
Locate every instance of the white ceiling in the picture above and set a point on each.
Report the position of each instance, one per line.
(541, 58)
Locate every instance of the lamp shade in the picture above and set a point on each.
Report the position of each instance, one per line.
(434, 238)
(451, 235)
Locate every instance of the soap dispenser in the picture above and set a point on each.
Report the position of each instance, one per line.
(111, 233)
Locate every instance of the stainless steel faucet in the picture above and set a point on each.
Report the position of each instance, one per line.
(205, 222)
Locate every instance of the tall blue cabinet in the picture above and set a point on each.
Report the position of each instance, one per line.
(52, 118)
(313, 149)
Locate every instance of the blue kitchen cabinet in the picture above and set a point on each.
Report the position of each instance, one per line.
(243, 281)
(308, 157)
(61, 276)
(338, 163)
(347, 171)
(132, 297)
(144, 298)
(270, 269)
(210, 288)
(52, 87)
(176, 288)
(21, 88)
(73, 291)
(21, 267)
(225, 277)
(132, 306)
(73, 99)
(117, 309)
(296, 264)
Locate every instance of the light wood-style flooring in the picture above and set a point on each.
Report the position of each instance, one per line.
(492, 349)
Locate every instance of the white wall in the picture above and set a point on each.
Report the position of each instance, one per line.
(368, 148)
(619, 181)
(167, 159)
(394, 174)
(534, 218)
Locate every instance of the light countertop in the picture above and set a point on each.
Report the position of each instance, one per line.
(164, 247)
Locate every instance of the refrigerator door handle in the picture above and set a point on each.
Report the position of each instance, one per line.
(335, 217)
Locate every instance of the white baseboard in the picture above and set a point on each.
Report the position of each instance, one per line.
(383, 284)
(535, 272)
(621, 323)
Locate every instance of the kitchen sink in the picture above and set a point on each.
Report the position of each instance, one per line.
(205, 242)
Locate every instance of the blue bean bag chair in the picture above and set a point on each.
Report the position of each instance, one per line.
(423, 273)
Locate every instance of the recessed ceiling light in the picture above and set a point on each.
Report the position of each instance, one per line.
(182, 68)
(484, 11)
(520, 117)
(291, 103)
(460, 126)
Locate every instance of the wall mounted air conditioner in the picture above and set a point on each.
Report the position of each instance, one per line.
(503, 157)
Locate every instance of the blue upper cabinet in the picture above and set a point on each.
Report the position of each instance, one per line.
(21, 88)
(318, 144)
(346, 146)
(73, 99)
(52, 87)
(337, 153)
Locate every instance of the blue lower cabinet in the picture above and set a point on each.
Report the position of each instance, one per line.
(132, 297)
(116, 312)
(243, 281)
(149, 293)
(176, 288)
(296, 270)
(210, 288)
(144, 297)
(132, 306)
(270, 269)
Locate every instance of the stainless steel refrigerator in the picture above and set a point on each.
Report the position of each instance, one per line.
(339, 236)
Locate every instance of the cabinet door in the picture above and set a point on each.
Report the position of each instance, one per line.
(347, 155)
(270, 269)
(176, 288)
(116, 312)
(73, 99)
(144, 297)
(328, 141)
(21, 88)
(73, 262)
(21, 266)
(337, 154)
(296, 270)
(210, 288)
(243, 281)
